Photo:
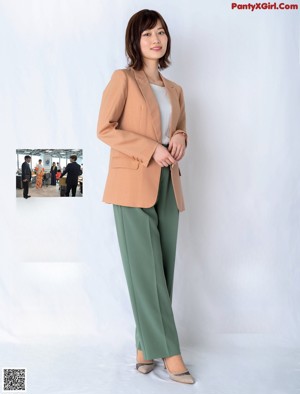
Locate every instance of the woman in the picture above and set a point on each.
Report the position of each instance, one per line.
(53, 172)
(142, 119)
(58, 174)
(39, 170)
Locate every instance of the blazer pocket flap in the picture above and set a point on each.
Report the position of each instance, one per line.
(120, 162)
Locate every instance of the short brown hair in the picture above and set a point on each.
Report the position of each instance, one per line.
(73, 157)
(139, 22)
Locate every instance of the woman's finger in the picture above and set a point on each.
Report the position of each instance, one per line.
(179, 152)
(174, 150)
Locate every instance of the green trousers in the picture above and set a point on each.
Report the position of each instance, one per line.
(147, 239)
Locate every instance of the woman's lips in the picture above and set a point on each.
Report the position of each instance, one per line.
(156, 48)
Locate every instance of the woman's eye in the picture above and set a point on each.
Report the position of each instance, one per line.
(146, 34)
(162, 32)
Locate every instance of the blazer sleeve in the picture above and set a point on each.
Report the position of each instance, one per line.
(23, 171)
(66, 170)
(128, 142)
(181, 125)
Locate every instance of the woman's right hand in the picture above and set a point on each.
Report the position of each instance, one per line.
(163, 157)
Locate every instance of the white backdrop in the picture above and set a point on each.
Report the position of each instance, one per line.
(237, 271)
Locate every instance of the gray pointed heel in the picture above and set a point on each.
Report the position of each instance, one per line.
(182, 377)
(145, 367)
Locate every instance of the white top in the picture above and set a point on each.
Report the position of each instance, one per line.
(165, 107)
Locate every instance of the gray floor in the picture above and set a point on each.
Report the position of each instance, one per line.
(45, 191)
(219, 368)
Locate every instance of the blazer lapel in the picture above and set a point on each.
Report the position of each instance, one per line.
(174, 102)
(151, 101)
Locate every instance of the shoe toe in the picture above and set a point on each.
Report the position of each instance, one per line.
(144, 368)
(185, 377)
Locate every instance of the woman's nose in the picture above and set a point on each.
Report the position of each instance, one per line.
(156, 40)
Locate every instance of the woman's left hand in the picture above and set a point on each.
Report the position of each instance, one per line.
(177, 146)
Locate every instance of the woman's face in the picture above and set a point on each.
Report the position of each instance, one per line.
(154, 42)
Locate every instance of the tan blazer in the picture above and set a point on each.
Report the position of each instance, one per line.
(129, 122)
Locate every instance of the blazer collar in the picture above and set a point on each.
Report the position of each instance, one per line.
(151, 101)
(141, 76)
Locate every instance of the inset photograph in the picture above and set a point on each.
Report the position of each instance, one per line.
(49, 173)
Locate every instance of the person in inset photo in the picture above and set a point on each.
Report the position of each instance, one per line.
(74, 171)
(53, 172)
(26, 176)
(142, 118)
(40, 171)
(58, 171)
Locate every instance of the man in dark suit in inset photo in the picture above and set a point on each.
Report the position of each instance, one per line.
(73, 170)
(26, 176)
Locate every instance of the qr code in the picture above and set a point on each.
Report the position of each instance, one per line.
(14, 379)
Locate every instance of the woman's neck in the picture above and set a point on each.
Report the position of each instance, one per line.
(151, 71)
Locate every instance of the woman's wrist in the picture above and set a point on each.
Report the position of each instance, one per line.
(182, 133)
